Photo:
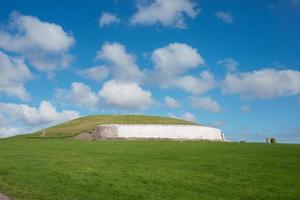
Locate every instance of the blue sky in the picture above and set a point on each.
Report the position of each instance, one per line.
(229, 64)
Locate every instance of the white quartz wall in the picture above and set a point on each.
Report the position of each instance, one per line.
(192, 132)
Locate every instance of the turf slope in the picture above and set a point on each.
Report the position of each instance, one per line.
(85, 124)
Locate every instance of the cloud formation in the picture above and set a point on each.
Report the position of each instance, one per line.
(114, 93)
(225, 17)
(185, 116)
(218, 124)
(263, 84)
(171, 64)
(44, 114)
(46, 45)
(14, 74)
(79, 94)
(31, 118)
(189, 117)
(165, 12)
(122, 64)
(97, 73)
(125, 95)
(196, 85)
(205, 103)
(229, 63)
(171, 102)
(7, 132)
(108, 19)
(175, 59)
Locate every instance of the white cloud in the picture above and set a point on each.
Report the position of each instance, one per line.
(107, 19)
(263, 84)
(165, 12)
(33, 33)
(14, 73)
(218, 124)
(189, 117)
(196, 85)
(175, 59)
(205, 103)
(44, 114)
(97, 73)
(2, 121)
(229, 63)
(171, 102)
(23, 118)
(8, 131)
(185, 116)
(44, 44)
(172, 62)
(127, 95)
(225, 17)
(79, 94)
(245, 108)
(114, 93)
(122, 64)
(46, 62)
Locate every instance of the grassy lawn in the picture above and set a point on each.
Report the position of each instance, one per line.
(62, 169)
(88, 123)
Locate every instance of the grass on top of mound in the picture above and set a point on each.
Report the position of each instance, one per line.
(88, 123)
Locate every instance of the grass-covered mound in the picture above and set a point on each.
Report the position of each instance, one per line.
(86, 124)
(56, 169)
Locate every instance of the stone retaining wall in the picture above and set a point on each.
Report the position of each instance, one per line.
(156, 131)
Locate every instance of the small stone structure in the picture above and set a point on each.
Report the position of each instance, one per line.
(3, 197)
(153, 131)
(271, 140)
(105, 132)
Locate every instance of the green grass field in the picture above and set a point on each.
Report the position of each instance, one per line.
(64, 169)
(87, 123)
